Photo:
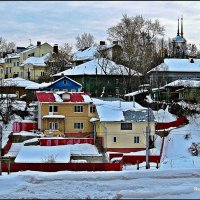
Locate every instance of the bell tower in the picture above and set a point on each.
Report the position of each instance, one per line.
(179, 43)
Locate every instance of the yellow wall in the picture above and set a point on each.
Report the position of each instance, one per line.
(38, 52)
(35, 71)
(67, 124)
(124, 138)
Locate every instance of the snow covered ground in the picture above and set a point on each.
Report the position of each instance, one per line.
(175, 151)
(128, 184)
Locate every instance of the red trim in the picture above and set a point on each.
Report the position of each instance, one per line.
(124, 150)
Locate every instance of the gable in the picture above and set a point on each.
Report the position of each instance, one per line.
(65, 82)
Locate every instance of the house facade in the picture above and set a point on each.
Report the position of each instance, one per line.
(101, 77)
(65, 84)
(122, 130)
(173, 69)
(15, 61)
(67, 114)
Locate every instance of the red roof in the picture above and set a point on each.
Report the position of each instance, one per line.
(45, 97)
(75, 97)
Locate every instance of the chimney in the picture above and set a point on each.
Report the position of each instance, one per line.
(55, 48)
(115, 42)
(38, 43)
(102, 42)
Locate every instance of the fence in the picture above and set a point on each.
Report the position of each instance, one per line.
(165, 125)
(7, 146)
(64, 141)
(54, 167)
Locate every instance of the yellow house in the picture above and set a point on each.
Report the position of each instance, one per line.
(2, 63)
(13, 61)
(34, 67)
(121, 127)
(65, 114)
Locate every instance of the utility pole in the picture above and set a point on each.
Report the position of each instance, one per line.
(147, 140)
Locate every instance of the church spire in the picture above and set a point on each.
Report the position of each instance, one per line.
(181, 26)
(178, 28)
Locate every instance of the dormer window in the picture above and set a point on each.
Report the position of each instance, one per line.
(65, 82)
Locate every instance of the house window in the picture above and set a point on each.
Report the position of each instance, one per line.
(53, 125)
(56, 90)
(114, 139)
(65, 90)
(78, 125)
(92, 109)
(65, 82)
(42, 73)
(14, 64)
(17, 63)
(53, 108)
(136, 139)
(78, 108)
(73, 90)
(126, 126)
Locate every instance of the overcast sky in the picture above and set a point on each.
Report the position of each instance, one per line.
(57, 22)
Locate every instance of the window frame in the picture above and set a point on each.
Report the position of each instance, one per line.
(78, 125)
(125, 126)
(136, 139)
(52, 108)
(78, 109)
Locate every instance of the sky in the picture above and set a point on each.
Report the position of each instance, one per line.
(59, 22)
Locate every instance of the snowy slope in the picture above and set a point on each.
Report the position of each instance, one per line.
(175, 151)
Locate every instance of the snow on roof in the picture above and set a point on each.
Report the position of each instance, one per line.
(178, 65)
(89, 53)
(13, 55)
(14, 150)
(2, 60)
(83, 149)
(114, 110)
(135, 93)
(25, 133)
(20, 82)
(185, 83)
(53, 116)
(57, 98)
(37, 61)
(153, 151)
(98, 66)
(41, 154)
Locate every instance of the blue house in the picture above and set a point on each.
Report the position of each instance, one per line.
(63, 84)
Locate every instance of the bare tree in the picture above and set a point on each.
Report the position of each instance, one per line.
(6, 47)
(138, 38)
(85, 40)
(58, 62)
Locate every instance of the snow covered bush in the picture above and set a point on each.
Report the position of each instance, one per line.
(194, 149)
(49, 159)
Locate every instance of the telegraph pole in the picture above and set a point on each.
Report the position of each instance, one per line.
(147, 140)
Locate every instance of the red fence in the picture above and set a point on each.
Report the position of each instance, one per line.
(133, 159)
(7, 146)
(64, 141)
(165, 125)
(24, 126)
(54, 167)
